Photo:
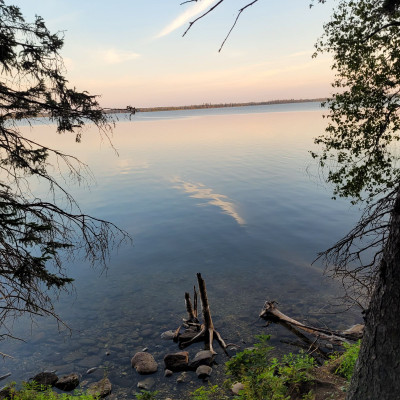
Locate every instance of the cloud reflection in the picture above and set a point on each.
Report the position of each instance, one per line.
(199, 191)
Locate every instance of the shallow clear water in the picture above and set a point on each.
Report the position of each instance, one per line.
(231, 193)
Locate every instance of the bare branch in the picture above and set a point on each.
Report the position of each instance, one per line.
(234, 24)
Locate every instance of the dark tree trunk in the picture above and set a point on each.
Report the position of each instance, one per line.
(377, 374)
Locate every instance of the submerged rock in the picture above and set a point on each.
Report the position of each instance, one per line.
(144, 363)
(102, 388)
(168, 335)
(45, 378)
(67, 382)
(183, 378)
(146, 384)
(168, 373)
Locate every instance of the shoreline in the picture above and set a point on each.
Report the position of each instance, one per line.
(218, 105)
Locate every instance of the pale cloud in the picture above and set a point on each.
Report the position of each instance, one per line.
(301, 54)
(199, 191)
(113, 56)
(186, 16)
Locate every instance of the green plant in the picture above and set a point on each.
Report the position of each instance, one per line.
(348, 360)
(34, 391)
(146, 395)
(266, 378)
(213, 392)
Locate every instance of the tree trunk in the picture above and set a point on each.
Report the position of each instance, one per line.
(377, 373)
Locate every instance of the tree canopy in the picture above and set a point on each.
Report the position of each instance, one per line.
(359, 150)
(36, 234)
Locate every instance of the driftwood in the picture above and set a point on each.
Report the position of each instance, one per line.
(196, 332)
(271, 313)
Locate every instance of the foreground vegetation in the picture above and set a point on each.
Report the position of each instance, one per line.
(32, 391)
(263, 377)
(268, 378)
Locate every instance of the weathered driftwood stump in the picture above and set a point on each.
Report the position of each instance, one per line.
(194, 331)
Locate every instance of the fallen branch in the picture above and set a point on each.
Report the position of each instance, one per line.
(271, 313)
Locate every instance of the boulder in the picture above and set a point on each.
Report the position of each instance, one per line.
(204, 371)
(101, 388)
(67, 382)
(204, 357)
(177, 361)
(45, 378)
(144, 363)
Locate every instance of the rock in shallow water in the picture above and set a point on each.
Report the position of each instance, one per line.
(67, 382)
(204, 371)
(144, 363)
(168, 335)
(45, 378)
(146, 384)
(101, 388)
(204, 357)
(168, 373)
(177, 361)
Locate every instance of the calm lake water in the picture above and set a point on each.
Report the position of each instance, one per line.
(231, 193)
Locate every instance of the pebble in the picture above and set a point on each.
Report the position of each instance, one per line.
(168, 373)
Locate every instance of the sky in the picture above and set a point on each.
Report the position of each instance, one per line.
(132, 52)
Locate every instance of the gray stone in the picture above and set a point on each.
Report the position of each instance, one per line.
(45, 378)
(204, 371)
(146, 384)
(67, 382)
(177, 361)
(144, 363)
(90, 361)
(101, 388)
(168, 335)
(236, 387)
(147, 332)
(204, 357)
(168, 373)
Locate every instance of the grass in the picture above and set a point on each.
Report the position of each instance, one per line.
(33, 391)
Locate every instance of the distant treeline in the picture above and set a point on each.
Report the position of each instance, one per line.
(224, 105)
(220, 105)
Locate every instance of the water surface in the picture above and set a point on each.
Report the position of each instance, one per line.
(231, 193)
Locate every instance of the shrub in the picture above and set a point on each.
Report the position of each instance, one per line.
(348, 360)
(267, 378)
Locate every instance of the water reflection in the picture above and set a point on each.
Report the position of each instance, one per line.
(199, 191)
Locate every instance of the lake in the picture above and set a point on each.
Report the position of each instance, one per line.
(232, 193)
